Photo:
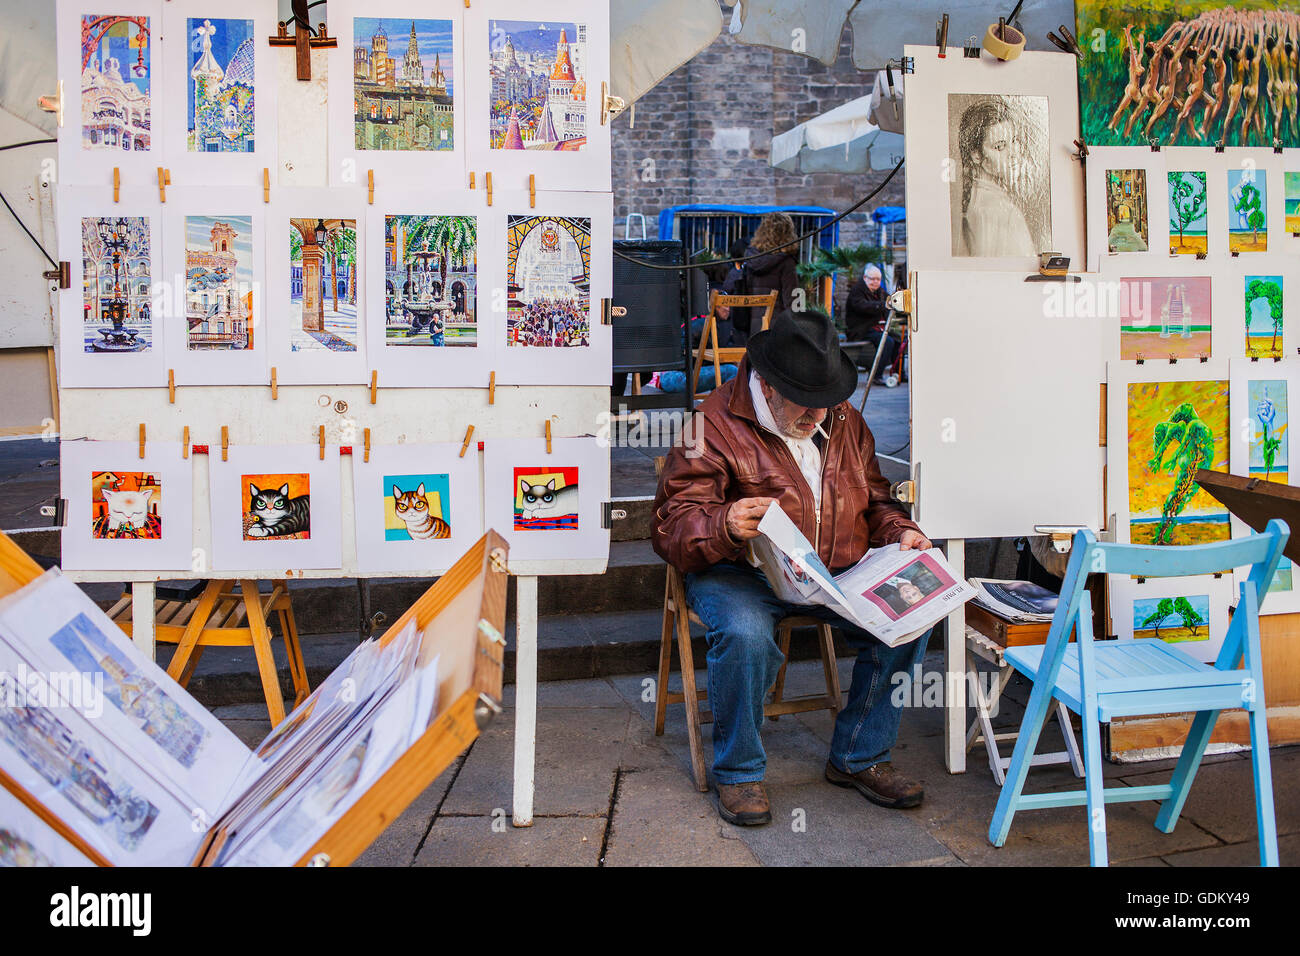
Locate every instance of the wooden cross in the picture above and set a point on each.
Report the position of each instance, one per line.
(302, 40)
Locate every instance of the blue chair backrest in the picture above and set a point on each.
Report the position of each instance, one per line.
(1262, 551)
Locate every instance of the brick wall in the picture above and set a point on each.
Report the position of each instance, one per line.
(704, 134)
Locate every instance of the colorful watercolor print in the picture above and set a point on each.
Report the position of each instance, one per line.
(115, 83)
(323, 285)
(1173, 619)
(548, 276)
(1263, 300)
(116, 312)
(219, 282)
(1174, 428)
(417, 507)
(155, 714)
(276, 507)
(220, 90)
(546, 499)
(124, 504)
(1187, 73)
(430, 280)
(538, 85)
(74, 768)
(1269, 445)
(1247, 210)
(407, 103)
(1127, 228)
(1164, 317)
(1188, 228)
(1291, 187)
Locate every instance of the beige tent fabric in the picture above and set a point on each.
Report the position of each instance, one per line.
(27, 70)
(650, 40)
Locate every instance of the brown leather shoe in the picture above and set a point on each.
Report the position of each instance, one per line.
(881, 784)
(744, 804)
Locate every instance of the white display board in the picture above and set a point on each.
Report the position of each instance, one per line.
(1005, 405)
(1013, 157)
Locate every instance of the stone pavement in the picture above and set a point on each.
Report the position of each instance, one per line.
(610, 793)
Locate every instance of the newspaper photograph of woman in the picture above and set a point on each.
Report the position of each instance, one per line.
(909, 586)
(999, 175)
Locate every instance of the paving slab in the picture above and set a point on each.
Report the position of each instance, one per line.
(550, 841)
(660, 819)
(1222, 798)
(1239, 854)
(815, 823)
(577, 753)
(398, 844)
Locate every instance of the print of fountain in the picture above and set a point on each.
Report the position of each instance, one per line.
(114, 235)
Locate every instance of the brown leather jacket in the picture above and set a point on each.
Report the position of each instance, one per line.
(734, 457)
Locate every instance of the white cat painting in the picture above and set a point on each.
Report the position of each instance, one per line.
(545, 507)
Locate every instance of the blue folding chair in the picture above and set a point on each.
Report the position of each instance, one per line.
(1102, 681)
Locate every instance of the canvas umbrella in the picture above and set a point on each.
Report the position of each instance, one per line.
(647, 41)
(843, 140)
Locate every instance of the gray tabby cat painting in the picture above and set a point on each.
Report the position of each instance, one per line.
(277, 506)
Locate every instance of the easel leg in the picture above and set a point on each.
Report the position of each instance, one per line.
(525, 698)
(261, 636)
(954, 724)
(180, 662)
(292, 648)
(142, 595)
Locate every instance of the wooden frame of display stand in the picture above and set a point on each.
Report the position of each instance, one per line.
(221, 617)
(471, 649)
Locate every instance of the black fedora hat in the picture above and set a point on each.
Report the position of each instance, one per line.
(800, 357)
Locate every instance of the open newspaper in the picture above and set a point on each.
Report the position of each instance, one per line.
(896, 595)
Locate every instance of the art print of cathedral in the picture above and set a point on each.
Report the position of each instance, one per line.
(538, 85)
(220, 97)
(406, 103)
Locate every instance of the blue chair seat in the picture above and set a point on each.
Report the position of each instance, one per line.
(1135, 676)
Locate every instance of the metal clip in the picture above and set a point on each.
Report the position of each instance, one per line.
(497, 558)
(319, 860)
(492, 634)
(609, 514)
(485, 710)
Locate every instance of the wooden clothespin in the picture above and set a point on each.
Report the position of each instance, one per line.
(532, 190)
(185, 442)
(266, 184)
(225, 441)
(492, 389)
(275, 388)
(164, 180)
(941, 37)
(374, 385)
(117, 184)
(469, 433)
(487, 184)
(366, 439)
(548, 436)
(471, 180)
(171, 386)
(321, 440)
(142, 439)
(370, 184)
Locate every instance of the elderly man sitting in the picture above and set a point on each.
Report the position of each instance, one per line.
(782, 430)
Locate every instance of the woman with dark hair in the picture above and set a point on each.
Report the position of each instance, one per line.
(775, 248)
(993, 168)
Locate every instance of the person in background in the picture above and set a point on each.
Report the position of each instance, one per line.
(864, 319)
(775, 251)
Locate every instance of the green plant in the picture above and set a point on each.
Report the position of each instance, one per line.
(850, 260)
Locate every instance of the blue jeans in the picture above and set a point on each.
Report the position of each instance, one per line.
(740, 612)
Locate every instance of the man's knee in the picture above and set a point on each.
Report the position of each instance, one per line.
(748, 633)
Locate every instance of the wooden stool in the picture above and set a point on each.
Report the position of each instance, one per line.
(216, 618)
(677, 624)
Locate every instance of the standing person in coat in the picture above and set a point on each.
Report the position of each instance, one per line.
(775, 253)
(864, 319)
(783, 431)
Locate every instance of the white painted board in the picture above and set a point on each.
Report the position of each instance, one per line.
(1005, 406)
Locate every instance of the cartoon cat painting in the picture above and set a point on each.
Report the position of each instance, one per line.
(542, 506)
(275, 514)
(130, 505)
(413, 508)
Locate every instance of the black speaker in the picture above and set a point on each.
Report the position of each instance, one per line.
(649, 336)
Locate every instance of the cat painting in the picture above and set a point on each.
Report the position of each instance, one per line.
(276, 515)
(412, 507)
(541, 505)
(125, 505)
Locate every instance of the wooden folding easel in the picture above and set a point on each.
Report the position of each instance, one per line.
(709, 350)
(225, 617)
